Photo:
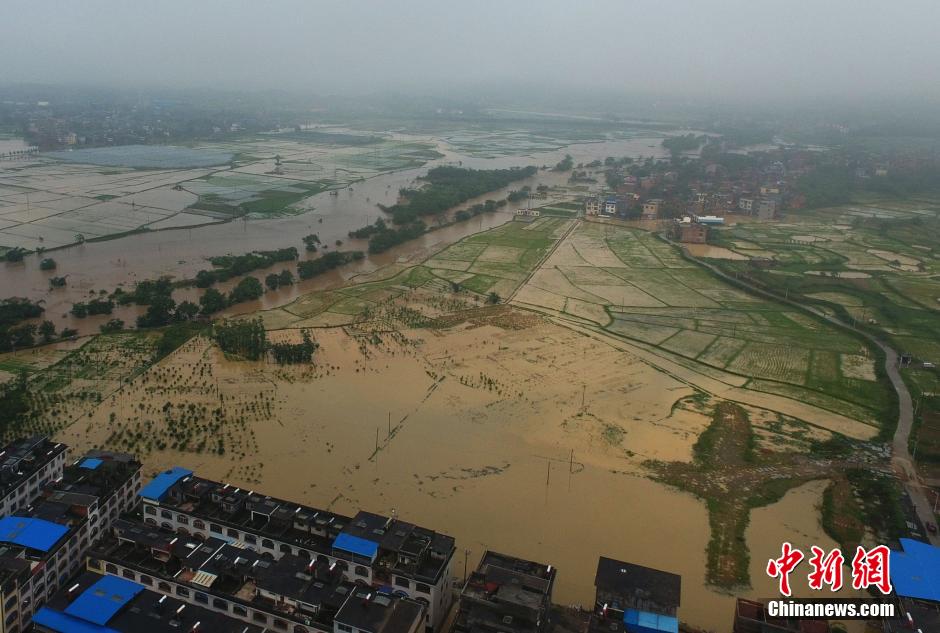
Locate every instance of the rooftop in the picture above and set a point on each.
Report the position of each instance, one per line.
(314, 589)
(635, 582)
(915, 570)
(367, 538)
(105, 604)
(372, 612)
(506, 593)
(21, 458)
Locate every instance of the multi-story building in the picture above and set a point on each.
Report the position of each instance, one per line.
(107, 604)
(610, 206)
(592, 206)
(44, 544)
(651, 209)
(642, 597)
(289, 593)
(506, 595)
(369, 548)
(26, 465)
(766, 209)
(746, 204)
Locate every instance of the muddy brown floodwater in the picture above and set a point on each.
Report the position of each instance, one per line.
(181, 253)
(481, 434)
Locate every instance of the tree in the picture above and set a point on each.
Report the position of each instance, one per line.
(23, 335)
(159, 312)
(244, 337)
(212, 301)
(47, 264)
(286, 278)
(15, 254)
(186, 311)
(113, 325)
(493, 298)
(56, 282)
(47, 330)
(311, 241)
(272, 281)
(248, 289)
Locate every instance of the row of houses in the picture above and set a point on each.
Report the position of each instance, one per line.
(93, 551)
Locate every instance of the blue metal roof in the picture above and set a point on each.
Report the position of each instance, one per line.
(91, 463)
(62, 623)
(155, 490)
(29, 532)
(100, 602)
(915, 572)
(637, 621)
(356, 545)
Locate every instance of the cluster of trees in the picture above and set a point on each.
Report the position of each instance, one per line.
(47, 264)
(145, 292)
(248, 289)
(14, 403)
(228, 266)
(565, 164)
(245, 337)
(276, 280)
(517, 195)
(13, 334)
(56, 282)
(311, 241)
(313, 267)
(449, 186)
(387, 238)
(481, 207)
(93, 307)
(686, 143)
(285, 353)
(15, 254)
(113, 325)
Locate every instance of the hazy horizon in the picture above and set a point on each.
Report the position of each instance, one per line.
(725, 50)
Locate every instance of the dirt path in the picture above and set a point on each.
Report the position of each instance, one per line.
(574, 224)
(901, 457)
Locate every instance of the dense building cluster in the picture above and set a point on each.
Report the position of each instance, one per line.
(84, 547)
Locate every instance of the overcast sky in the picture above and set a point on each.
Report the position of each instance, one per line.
(710, 48)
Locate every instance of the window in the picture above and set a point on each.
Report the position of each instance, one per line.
(422, 588)
(267, 543)
(251, 539)
(218, 603)
(182, 591)
(215, 528)
(343, 627)
(111, 568)
(239, 610)
(257, 616)
(401, 582)
(129, 573)
(166, 514)
(198, 525)
(182, 519)
(149, 509)
(145, 580)
(164, 586)
(233, 532)
(280, 624)
(285, 549)
(362, 571)
(94, 563)
(201, 597)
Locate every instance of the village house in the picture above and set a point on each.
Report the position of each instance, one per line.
(651, 208)
(691, 232)
(592, 206)
(641, 597)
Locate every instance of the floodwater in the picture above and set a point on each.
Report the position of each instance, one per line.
(533, 465)
(181, 253)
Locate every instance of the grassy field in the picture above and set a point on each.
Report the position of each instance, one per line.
(875, 263)
(638, 287)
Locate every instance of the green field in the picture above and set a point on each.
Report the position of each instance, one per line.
(650, 294)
